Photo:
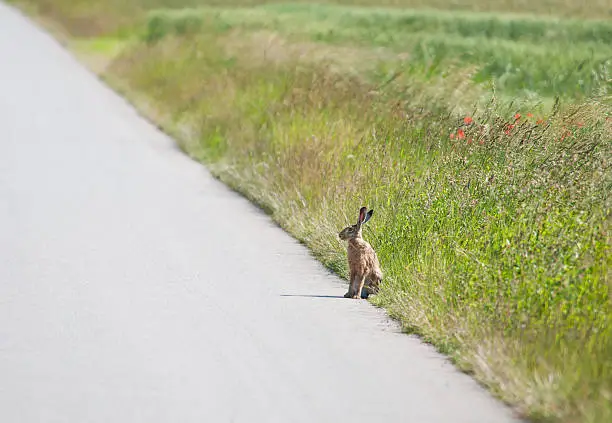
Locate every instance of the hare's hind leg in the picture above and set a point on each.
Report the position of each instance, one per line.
(373, 284)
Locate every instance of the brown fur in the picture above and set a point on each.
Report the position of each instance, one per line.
(363, 262)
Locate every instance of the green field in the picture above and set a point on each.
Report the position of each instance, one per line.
(480, 132)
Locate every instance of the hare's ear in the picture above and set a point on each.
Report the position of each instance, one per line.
(362, 215)
(368, 216)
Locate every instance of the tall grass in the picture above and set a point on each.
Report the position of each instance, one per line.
(523, 55)
(107, 10)
(492, 225)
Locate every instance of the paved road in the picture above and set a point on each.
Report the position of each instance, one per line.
(136, 288)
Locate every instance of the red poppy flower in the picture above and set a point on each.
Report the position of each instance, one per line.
(460, 134)
(566, 133)
(468, 120)
(529, 115)
(517, 116)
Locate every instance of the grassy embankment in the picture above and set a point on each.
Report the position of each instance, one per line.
(493, 229)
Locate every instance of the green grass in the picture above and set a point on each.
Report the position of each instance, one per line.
(65, 9)
(494, 236)
(523, 55)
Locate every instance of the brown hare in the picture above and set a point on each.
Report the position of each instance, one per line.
(363, 262)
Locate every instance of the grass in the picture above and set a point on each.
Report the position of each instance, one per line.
(522, 54)
(108, 13)
(493, 229)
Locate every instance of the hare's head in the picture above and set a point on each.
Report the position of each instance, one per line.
(354, 231)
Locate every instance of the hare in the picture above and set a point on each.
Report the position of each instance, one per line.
(363, 262)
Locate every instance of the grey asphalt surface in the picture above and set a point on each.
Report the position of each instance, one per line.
(136, 288)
